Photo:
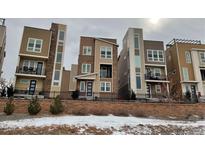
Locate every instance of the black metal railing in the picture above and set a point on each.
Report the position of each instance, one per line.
(30, 70)
(154, 77)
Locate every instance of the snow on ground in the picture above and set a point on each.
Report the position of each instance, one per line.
(97, 121)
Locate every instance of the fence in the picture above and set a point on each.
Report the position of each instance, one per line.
(114, 97)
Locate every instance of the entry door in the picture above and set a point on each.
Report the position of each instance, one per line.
(39, 68)
(149, 90)
(32, 87)
(89, 88)
(193, 91)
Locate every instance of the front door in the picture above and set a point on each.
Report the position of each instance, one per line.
(39, 68)
(193, 91)
(89, 88)
(32, 87)
(149, 90)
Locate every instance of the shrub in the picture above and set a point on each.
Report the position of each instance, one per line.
(75, 94)
(34, 106)
(9, 108)
(56, 107)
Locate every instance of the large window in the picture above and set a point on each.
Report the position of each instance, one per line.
(105, 87)
(87, 50)
(82, 86)
(86, 68)
(56, 78)
(105, 71)
(185, 73)
(34, 45)
(155, 55)
(61, 35)
(188, 57)
(59, 57)
(138, 82)
(106, 52)
(202, 57)
(136, 41)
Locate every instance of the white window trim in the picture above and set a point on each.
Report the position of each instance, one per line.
(138, 37)
(34, 45)
(105, 52)
(158, 51)
(87, 47)
(105, 86)
(185, 68)
(157, 87)
(86, 68)
(84, 86)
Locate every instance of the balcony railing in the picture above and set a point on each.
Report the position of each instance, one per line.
(153, 77)
(30, 70)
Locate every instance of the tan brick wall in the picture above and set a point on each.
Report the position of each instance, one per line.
(160, 110)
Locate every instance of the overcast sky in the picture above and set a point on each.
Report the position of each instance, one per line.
(162, 29)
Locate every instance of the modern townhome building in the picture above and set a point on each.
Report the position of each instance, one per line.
(142, 67)
(186, 67)
(97, 68)
(2, 43)
(40, 66)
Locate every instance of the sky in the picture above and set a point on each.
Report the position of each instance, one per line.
(154, 29)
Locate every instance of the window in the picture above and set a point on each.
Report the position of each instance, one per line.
(30, 64)
(61, 35)
(137, 52)
(202, 57)
(105, 87)
(82, 86)
(158, 88)
(138, 82)
(155, 55)
(157, 72)
(188, 57)
(106, 52)
(87, 50)
(136, 41)
(137, 70)
(57, 75)
(185, 73)
(86, 68)
(24, 81)
(105, 71)
(59, 57)
(34, 45)
(56, 78)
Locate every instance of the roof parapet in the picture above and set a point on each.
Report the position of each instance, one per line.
(172, 42)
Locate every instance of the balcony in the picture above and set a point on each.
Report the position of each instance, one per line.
(30, 71)
(157, 78)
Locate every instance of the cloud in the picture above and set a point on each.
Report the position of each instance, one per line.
(164, 30)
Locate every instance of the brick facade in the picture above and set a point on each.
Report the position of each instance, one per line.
(160, 110)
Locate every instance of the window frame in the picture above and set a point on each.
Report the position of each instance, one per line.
(87, 47)
(54, 80)
(106, 51)
(34, 45)
(81, 87)
(200, 55)
(57, 57)
(105, 86)
(155, 59)
(82, 71)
